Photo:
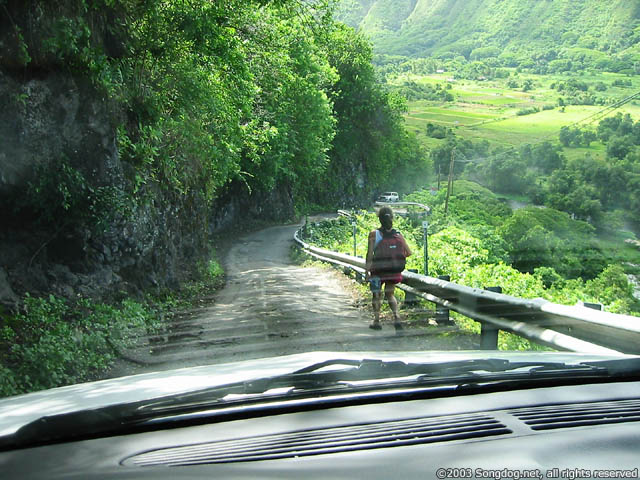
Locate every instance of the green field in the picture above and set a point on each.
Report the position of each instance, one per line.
(488, 109)
(450, 117)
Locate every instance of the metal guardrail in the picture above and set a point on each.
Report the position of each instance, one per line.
(571, 328)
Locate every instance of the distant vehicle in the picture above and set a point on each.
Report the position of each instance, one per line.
(389, 197)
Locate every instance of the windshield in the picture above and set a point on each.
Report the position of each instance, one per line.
(198, 183)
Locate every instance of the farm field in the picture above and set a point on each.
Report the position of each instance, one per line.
(487, 110)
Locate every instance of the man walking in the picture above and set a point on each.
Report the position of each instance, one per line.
(386, 254)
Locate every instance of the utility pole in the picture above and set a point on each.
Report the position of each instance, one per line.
(450, 184)
(354, 224)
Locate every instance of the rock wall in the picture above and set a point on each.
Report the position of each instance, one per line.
(45, 117)
(238, 205)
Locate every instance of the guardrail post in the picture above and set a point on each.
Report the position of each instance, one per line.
(410, 300)
(595, 306)
(425, 239)
(354, 224)
(442, 313)
(489, 332)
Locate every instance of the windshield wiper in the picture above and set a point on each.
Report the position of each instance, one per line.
(312, 380)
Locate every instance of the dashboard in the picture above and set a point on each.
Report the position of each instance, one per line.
(577, 431)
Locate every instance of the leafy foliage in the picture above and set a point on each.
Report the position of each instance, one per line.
(265, 92)
(416, 91)
(52, 342)
(372, 150)
(545, 237)
(61, 196)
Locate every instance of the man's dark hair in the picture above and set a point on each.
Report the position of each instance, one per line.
(385, 214)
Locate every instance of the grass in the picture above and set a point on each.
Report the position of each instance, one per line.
(544, 125)
(596, 150)
(487, 110)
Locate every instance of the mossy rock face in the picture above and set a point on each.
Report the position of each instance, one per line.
(45, 118)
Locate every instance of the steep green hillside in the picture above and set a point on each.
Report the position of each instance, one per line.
(513, 32)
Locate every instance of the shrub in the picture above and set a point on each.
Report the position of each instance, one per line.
(54, 342)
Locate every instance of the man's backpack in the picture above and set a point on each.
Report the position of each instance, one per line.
(388, 255)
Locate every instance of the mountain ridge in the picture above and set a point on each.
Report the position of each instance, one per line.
(524, 29)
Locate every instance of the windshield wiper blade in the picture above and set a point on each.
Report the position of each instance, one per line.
(313, 377)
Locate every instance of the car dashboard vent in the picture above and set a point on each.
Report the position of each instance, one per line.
(579, 415)
(325, 440)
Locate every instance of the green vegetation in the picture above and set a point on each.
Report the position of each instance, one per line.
(277, 94)
(480, 241)
(60, 196)
(271, 94)
(262, 92)
(496, 106)
(580, 159)
(524, 112)
(525, 116)
(54, 341)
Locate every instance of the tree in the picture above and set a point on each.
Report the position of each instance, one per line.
(371, 140)
(294, 79)
(612, 287)
(568, 191)
(529, 244)
(588, 136)
(547, 157)
(619, 146)
(574, 137)
(504, 173)
(436, 131)
(566, 136)
(545, 237)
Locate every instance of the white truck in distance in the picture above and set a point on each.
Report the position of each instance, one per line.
(389, 197)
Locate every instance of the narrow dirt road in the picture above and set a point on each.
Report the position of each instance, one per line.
(269, 307)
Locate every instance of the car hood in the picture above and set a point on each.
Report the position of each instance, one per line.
(19, 410)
